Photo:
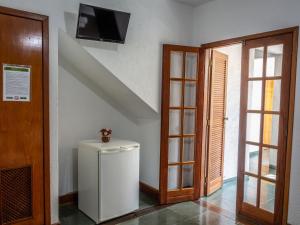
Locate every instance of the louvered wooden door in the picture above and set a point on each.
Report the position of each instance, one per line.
(216, 122)
(182, 88)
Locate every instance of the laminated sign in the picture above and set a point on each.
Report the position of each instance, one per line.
(16, 83)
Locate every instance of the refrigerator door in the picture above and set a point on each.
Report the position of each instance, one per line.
(119, 181)
(88, 181)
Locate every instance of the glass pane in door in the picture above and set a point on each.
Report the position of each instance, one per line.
(254, 95)
(175, 93)
(190, 94)
(173, 177)
(175, 122)
(191, 65)
(176, 64)
(253, 127)
(274, 60)
(251, 160)
(174, 150)
(187, 176)
(267, 196)
(256, 62)
(271, 129)
(269, 163)
(272, 95)
(250, 190)
(189, 121)
(188, 149)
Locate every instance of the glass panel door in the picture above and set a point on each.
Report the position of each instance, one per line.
(179, 107)
(262, 130)
(182, 108)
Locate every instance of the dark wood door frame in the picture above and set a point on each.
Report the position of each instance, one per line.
(46, 139)
(295, 33)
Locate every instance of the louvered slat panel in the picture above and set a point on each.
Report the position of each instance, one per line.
(216, 132)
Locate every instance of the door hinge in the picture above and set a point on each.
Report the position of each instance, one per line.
(208, 122)
(243, 42)
(205, 180)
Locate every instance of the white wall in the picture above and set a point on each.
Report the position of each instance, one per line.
(82, 113)
(219, 19)
(137, 63)
(234, 53)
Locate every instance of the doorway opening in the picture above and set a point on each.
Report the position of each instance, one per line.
(267, 81)
(223, 101)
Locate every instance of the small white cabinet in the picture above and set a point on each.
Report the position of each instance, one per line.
(108, 178)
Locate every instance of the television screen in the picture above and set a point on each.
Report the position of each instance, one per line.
(95, 23)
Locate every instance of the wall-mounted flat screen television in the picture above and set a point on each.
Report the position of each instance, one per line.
(95, 23)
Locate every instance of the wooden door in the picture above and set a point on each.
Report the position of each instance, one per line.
(216, 122)
(264, 116)
(24, 162)
(181, 125)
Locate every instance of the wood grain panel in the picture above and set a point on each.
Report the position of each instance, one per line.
(24, 126)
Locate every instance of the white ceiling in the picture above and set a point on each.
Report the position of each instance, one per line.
(193, 2)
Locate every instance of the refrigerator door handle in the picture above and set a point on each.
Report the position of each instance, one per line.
(111, 151)
(121, 149)
(129, 148)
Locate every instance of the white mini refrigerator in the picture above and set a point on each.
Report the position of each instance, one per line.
(108, 178)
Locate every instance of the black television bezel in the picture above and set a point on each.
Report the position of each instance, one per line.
(101, 39)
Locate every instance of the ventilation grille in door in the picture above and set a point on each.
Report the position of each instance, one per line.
(15, 194)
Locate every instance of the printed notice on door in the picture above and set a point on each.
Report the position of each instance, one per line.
(16, 83)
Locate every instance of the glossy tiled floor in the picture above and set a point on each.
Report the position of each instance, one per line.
(196, 213)
(192, 213)
(224, 198)
(70, 215)
(188, 213)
